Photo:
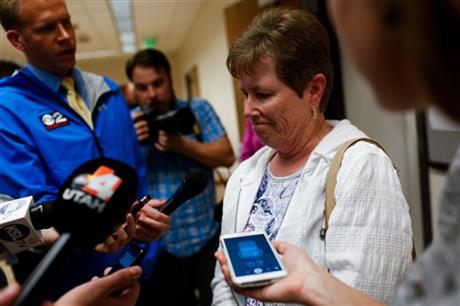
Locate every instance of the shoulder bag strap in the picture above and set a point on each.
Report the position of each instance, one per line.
(332, 181)
(332, 178)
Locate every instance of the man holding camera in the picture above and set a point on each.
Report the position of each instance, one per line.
(178, 136)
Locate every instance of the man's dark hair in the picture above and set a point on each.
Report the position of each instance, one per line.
(148, 58)
(9, 14)
(7, 67)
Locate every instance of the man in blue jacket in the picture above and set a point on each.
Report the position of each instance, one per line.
(45, 132)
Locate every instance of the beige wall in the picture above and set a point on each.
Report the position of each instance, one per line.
(206, 47)
(113, 67)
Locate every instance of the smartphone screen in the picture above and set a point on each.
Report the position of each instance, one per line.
(129, 256)
(252, 258)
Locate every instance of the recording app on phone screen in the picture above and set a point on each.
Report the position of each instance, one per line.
(127, 259)
(251, 255)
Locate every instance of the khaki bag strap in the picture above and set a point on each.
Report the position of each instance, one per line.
(7, 270)
(332, 181)
(332, 178)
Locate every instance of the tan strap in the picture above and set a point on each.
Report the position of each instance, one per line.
(332, 181)
(332, 178)
(8, 271)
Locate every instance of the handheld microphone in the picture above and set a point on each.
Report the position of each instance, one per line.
(42, 215)
(17, 229)
(193, 184)
(20, 222)
(91, 204)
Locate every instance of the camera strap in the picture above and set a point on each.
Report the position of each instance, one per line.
(196, 126)
(197, 132)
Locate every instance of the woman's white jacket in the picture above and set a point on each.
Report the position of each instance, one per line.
(369, 240)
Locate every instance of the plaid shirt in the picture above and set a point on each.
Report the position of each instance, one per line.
(192, 223)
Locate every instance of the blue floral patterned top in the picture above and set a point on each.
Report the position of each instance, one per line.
(270, 206)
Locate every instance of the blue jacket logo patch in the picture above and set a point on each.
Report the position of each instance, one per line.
(54, 120)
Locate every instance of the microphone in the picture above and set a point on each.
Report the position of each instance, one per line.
(20, 222)
(193, 184)
(17, 230)
(91, 204)
(42, 215)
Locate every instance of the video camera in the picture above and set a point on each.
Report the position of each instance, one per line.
(180, 121)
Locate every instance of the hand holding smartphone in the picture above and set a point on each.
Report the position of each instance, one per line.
(251, 259)
(131, 255)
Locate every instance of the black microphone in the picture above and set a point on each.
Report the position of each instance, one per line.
(42, 215)
(193, 184)
(20, 232)
(91, 204)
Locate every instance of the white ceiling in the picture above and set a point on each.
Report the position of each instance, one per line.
(166, 20)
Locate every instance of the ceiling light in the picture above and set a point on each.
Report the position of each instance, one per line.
(123, 17)
(96, 54)
(129, 49)
(127, 38)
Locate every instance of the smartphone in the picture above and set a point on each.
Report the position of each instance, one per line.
(251, 259)
(131, 255)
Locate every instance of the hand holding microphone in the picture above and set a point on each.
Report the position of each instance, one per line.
(153, 218)
(119, 238)
(150, 222)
